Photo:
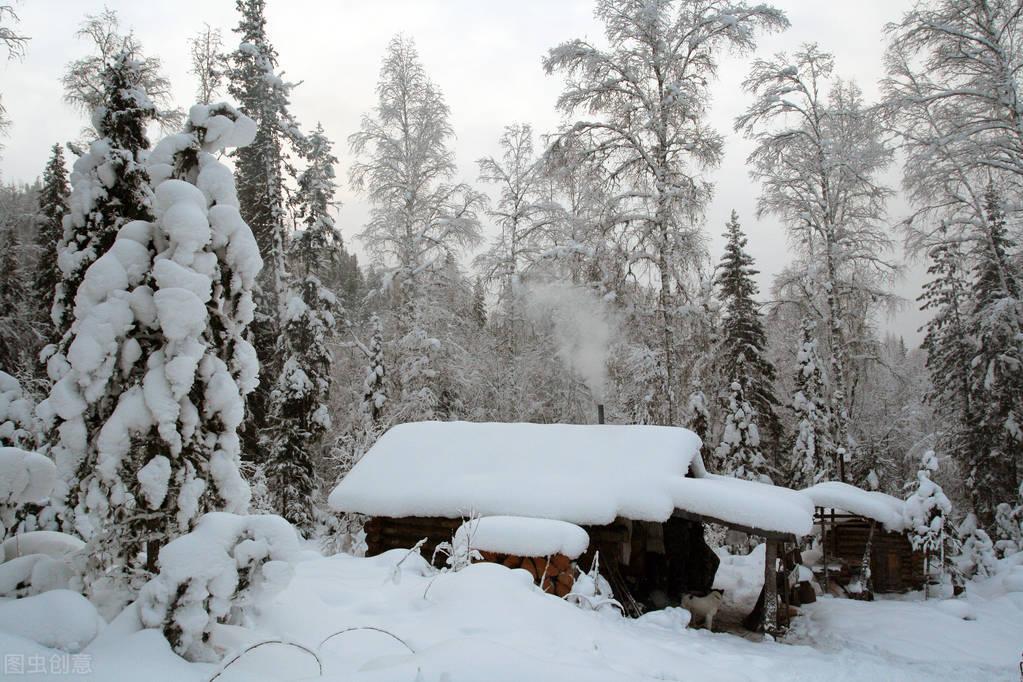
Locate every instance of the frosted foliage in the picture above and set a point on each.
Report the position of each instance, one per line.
(214, 574)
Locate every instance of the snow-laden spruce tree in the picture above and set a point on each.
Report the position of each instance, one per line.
(740, 355)
(53, 206)
(818, 159)
(927, 513)
(645, 99)
(263, 95)
(949, 344)
(111, 181)
(255, 82)
(976, 558)
(158, 366)
(299, 406)
(405, 166)
(110, 188)
(812, 457)
(996, 369)
(739, 454)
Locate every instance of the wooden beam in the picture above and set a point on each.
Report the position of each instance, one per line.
(703, 518)
(771, 589)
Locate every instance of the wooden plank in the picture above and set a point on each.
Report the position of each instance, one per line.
(702, 518)
(770, 589)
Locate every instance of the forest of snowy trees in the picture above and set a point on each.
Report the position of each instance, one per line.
(183, 328)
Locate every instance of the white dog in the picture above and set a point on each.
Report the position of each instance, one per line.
(703, 607)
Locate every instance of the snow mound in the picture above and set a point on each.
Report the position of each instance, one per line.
(959, 608)
(25, 476)
(523, 536)
(48, 542)
(60, 619)
(885, 509)
(33, 574)
(580, 474)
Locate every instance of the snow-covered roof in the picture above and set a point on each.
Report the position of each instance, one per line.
(883, 508)
(584, 474)
(746, 503)
(523, 536)
(587, 475)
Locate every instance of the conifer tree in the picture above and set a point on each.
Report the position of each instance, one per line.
(158, 365)
(949, 345)
(926, 513)
(813, 452)
(112, 180)
(739, 452)
(17, 325)
(53, 205)
(741, 351)
(263, 95)
(374, 397)
(300, 399)
(996, 370)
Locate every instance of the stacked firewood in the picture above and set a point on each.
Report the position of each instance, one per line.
(555, 574)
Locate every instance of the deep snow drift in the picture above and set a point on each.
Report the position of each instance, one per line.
(407, 622)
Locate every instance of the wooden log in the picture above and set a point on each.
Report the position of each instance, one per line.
(562, 562)
(513, 562)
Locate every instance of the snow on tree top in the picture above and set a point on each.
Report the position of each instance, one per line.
(883, 508)
(586, 475)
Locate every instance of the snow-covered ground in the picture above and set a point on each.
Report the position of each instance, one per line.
(490, 623)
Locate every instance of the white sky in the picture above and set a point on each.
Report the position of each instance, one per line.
(485, 56)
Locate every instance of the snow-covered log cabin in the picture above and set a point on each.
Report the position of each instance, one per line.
(860, 527)
(640, 493)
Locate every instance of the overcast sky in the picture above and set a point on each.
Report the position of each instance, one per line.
(484, 55)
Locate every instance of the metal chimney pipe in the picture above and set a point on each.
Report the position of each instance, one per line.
(600, 414)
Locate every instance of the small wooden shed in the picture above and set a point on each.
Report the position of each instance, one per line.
(641, 493)
(857, 525)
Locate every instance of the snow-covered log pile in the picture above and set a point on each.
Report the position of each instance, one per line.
(545, 548)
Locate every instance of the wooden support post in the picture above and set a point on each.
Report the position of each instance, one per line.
(824, 545)
(771, 589)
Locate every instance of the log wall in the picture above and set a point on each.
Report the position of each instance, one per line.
(894, 565)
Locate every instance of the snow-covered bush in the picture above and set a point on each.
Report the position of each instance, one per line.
(592, 592)
(977, 557)
(213, 574)
(1009, 528)
(18, 423)
(460, 552)
(927, 508)
(31, 574)
(25, 478)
